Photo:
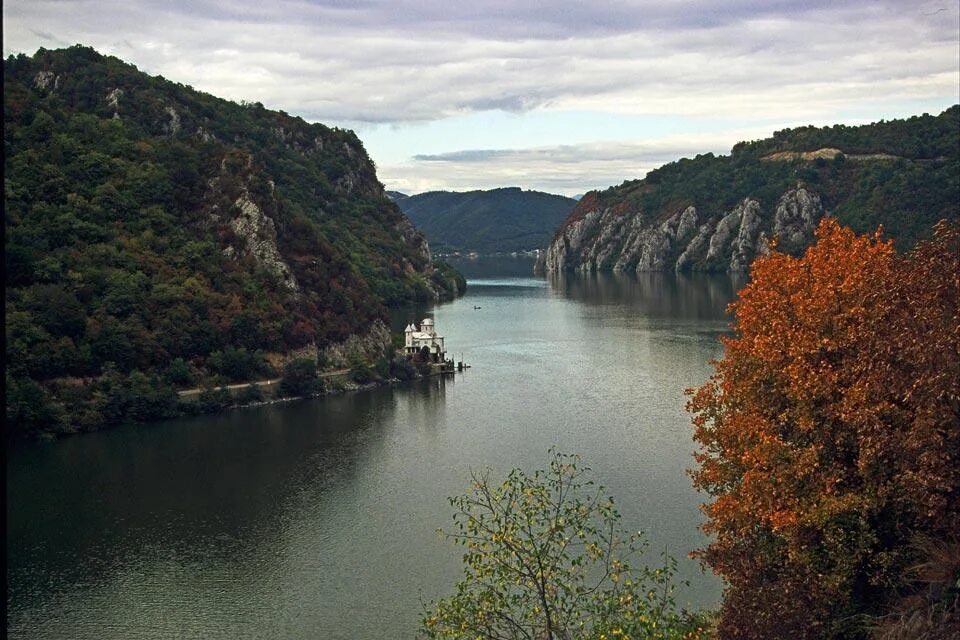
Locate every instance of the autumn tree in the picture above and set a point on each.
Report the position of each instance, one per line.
(545, 559)
(830, 432)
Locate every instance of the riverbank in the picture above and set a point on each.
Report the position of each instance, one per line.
(269, 384)
(345, 387)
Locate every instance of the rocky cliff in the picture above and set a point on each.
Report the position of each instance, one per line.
(605, 240)
(718, 213)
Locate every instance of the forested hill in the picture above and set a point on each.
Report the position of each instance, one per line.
(498, 220)
(150, 226)
(715, 213)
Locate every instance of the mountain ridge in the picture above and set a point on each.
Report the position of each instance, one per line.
(504, 219)
(717, 213)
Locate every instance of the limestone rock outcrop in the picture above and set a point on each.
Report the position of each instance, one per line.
(260, 236)
(613, 238)
(365, 347)
(798, 212)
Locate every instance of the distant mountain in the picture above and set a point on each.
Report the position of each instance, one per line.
(396, 196)
(716, 213)
(578, 196)
(498, 220)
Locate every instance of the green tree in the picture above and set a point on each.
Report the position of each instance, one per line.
(249, 394)
(178, 373)
(238, 364)
(30, 410)
(402, 369)
(300, 378)
(149, 398)
(546, 559)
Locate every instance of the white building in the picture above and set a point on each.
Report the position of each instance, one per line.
(424, 336)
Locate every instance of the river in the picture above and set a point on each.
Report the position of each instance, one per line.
(317, 519)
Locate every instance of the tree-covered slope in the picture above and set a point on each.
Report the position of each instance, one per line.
(715, 213)
(151, 228)
(498, 220)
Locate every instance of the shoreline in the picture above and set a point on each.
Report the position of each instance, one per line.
(347, 386)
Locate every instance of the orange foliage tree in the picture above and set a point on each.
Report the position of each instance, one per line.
(830, 432)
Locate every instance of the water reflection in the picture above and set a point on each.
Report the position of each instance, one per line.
(488, 267)
(81, 507)
(317, 518)
(661, 295)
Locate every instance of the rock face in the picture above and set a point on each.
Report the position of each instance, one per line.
(113, 100)
(744, 248)
(612, 238)
(570, 242)
(255, 230)
(797, 214)
(260, 235)
(365, 347)
(172, 127)
(46, 81)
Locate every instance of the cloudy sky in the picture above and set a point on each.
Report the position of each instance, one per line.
(560, 96)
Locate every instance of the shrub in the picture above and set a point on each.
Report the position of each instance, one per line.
(300, 378)
(178, 373)
(250, 394)
(402, 369)
(362, 374)
(212, 400)
(238, 365)
(545, 558)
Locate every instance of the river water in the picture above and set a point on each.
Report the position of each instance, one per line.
(317, 519)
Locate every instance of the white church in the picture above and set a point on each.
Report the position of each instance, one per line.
(424, 336)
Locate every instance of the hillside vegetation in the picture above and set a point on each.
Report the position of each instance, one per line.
(159, 236)
(716, 213)
(494, 221)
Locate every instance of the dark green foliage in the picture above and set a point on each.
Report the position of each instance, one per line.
(918, 137)
(360, 371)
(212, 400)
(362, 374)
(381, 368)
(73, 405)
(448, 279)
(250, 394)
(178, 373)
(122, 242)
(498, 220)
(148, 399)
(300, 378)
(402, 369)
(30, 408)
(238, 364)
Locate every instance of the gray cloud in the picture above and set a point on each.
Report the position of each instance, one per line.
(379, 61)
(567, 169)
(401, 61)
